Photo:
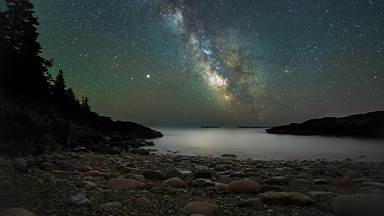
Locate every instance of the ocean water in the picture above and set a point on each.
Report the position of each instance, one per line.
(257, 144)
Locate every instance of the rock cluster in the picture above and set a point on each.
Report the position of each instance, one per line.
(79, 183)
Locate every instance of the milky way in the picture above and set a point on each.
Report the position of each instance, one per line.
(217, 59)
(218, 62)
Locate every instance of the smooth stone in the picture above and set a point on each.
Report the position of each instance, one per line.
(138, 177)
(299, 198)
(220, 187)
(343, 182)
(90, 184)
(79, 199)
(175, 182)
(221, 167)
(301, 181)
(266, 188)
(84, 168)
(201, 207)
(124, 184)
(244, 186)
(16, 212)
(320, 194)
(358, 205)
(203, 173)
(274, 197)
(142, 201)
(320, 181)
(374, 184)
(152, 174)
(278, 180)
(254, 203)
(229, 156)
(20, 163)
(202, 183)
(95, 173)
(173, 173)
(284, 198)
(361, 180)
(110, 206)
(164, 190)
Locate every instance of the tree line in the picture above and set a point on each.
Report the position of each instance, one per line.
(23, 71)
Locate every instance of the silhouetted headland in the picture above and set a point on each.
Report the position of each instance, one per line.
(250, 127)
(360, 125)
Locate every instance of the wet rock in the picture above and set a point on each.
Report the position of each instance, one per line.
(79, 199)
(95, 173)
(16, 212)
(203, 173)
(138, 177)
(201, 207)
(174, 173)
(175, 182)
(252, 203)
(153, 174)
(284, 198)
(361, 180)
(221, 167)
(20, 164)
(90, 184)
(244, 186)
(299, 198)
(358, 205)
(278, 180)
(266, 188)
(226, 179)
(164, 190)
(274, 197)
(374, 184)
(110, 206)
(320, 194)
(142, 201)
(301, 181)
(202, 183)
(229, 156)
(124, 184)
(140, 151)
(343, 182)
(220, 187)
(320, 181)
(84, 168)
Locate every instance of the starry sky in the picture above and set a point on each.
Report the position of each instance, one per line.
(218, 62)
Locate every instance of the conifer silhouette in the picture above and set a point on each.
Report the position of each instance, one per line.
(26, 70)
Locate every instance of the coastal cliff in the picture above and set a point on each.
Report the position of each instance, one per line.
(35, 129)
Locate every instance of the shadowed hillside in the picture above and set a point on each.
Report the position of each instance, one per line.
(364, 125)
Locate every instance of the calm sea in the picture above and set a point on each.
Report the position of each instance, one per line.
(256, 144)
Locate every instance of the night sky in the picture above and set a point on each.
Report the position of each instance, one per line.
(218, 62)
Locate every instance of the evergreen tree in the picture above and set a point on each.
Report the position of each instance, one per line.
(59, 85)
(28, 67)
(85, 104)
(7, 55)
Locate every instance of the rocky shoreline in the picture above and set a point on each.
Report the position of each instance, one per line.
(81, 183)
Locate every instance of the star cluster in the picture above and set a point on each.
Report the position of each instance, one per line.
(224, 62)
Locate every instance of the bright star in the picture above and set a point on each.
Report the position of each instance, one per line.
(148, 76)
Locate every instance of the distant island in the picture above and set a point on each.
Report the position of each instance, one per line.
(361, 125)
(245, 127)
(210, 127)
